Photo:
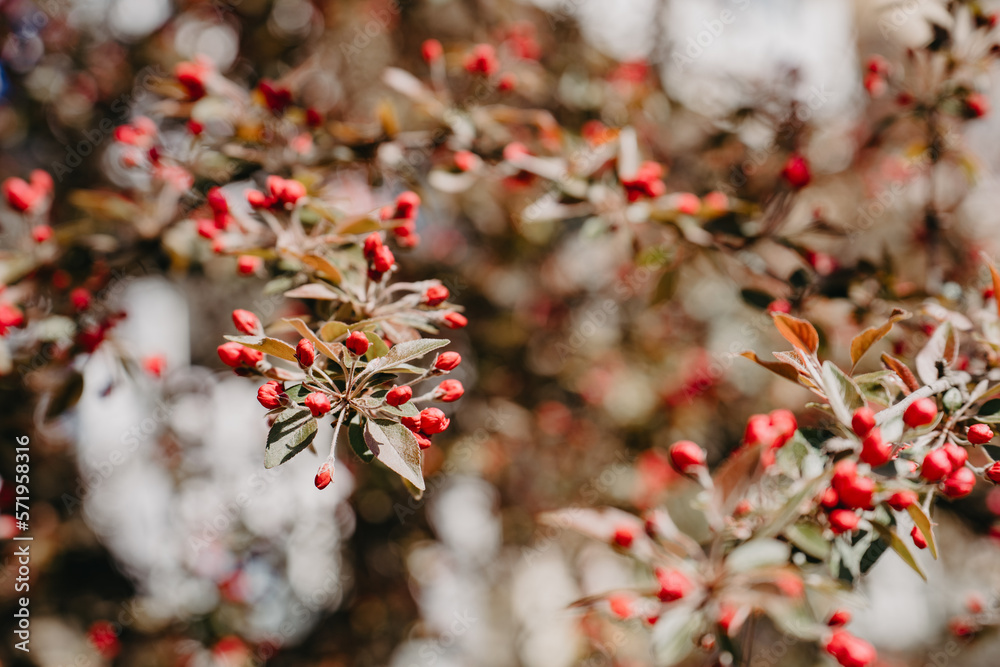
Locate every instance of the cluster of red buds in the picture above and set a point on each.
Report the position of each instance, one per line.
(354, 377)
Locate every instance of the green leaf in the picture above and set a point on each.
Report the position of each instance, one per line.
(293, 430)
(402, 353)
(297, 392)
(674, 634)
(923, 523)
(356, 436)
(377, 349)
(407, 409)
(758, 553)
(808, 537)
(394, 445)
(899, 546)
(841, 391)
(333, 330)
(273, 346)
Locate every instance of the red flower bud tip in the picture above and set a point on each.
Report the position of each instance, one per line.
(863, 421)
(673, 584)
(975, 603)
(251, 357)
(784, 424)
(217, 200)
(154, 365)
(779, 306)
(230, 354)
(407, 204)
(357, 343)
(373, 242)
(455, 320)
(993, 473)
(962, 627)
(248, 264)
(623, 537)
(80, 298)
(839, 618)
(796, 172)
(918, 538)
(977, 105)
(850, 651)
(275, 97)
(258, 199)
(979, 434)
(482, 60)
(507, 82)
(843, 521)
(41, 181)
(318, 403)
(41, 233)
(742, 508)
(514, 151)
(856, 493)
(466, 160)
(433, 421)
(194, 127)
(431, 50)
(902, 499)
(447, 361)
(422, 440)
(956, 454)
(936, 465)
(920, 413)
(829, 499)
(104, 639)
(305, 353)
(382, 260)
(687, 203)
(435, 295)
(715, 202)
(192, 77)
(621, 606)
(959, 483)
(646, 182)
(686, 456)
(19, 194)
(759, 432)
(207, 228)
(874, 451)
(449, 391)
(412, 423)
(313, 117)
(790, 585)
(398, 395)
(844, 472)
(269, 395)
(324, 476)
(245, 321)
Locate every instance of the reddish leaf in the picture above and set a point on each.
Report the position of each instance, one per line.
(864, 340)
(798, 332)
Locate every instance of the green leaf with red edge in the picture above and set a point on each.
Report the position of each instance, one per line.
(395, 445)
(786, 371)
(864, 340)
(400, 353)
(798, 332)
(899, 546)
(923, 523)
(293, 430)
(272, 346)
